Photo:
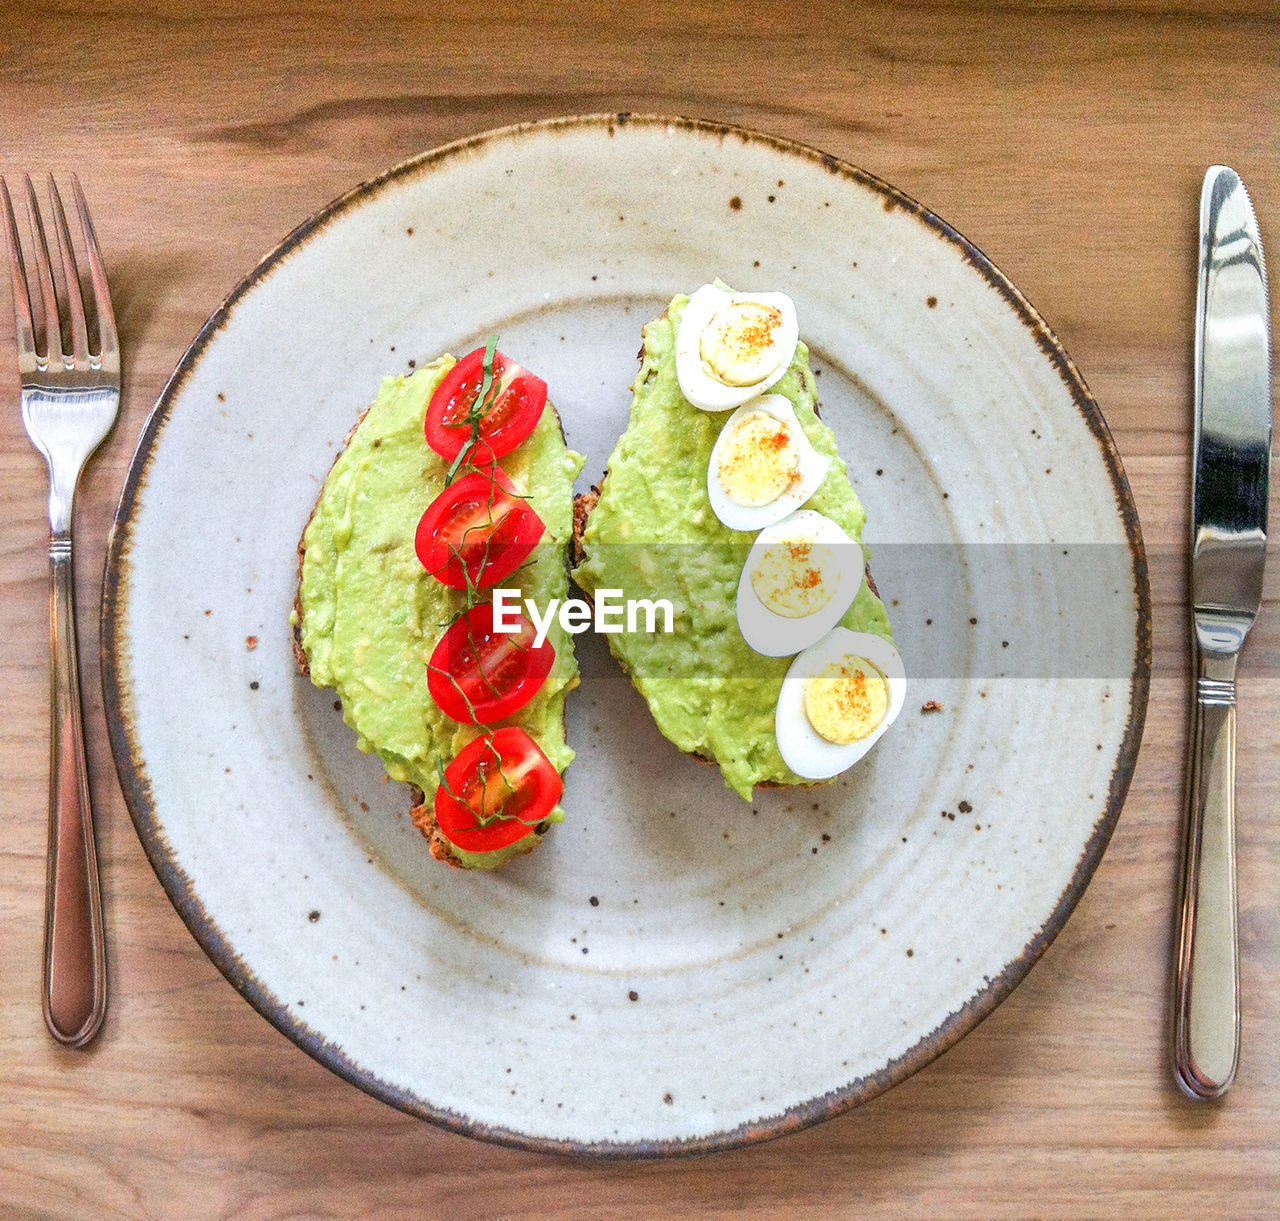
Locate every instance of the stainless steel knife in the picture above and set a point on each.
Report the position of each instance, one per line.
(1228, 547)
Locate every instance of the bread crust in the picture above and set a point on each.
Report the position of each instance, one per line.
(423, 817)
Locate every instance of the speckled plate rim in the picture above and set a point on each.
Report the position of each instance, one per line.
(132, 769)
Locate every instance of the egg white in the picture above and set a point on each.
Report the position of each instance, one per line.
(813, 470)
(775, 635)
(805, 751)
(699, 387)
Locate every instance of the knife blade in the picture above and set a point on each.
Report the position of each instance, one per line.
(1232, 464)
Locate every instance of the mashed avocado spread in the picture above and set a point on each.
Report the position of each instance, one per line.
(653, 534)
(371, 614)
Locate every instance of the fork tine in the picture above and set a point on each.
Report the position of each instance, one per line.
(108, 343)
(44, 273)
(71, 279)
(21, 297)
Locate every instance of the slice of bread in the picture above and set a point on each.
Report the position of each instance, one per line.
(554, 468)
(690, 432)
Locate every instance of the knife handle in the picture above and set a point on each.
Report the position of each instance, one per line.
(1206, 1039)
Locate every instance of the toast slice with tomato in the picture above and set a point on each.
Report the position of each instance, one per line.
(454, 481)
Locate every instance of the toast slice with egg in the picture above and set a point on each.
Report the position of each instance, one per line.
(781, 667)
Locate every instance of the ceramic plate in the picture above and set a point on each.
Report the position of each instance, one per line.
(674, 970)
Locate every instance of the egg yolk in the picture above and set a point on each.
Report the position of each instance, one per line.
(795, 577)
(846, 701)
(758, 461)
(738, 346)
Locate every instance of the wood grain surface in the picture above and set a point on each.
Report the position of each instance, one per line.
(1068, 141)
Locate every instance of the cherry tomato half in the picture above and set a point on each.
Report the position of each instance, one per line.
(479, 675)
(496, 791)
(515, 406)
(477, 530)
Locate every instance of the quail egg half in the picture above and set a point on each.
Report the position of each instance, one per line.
(731, 347)
(799, 578)
(763, 466)
(838, 698)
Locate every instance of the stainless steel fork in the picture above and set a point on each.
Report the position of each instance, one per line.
(69, 402)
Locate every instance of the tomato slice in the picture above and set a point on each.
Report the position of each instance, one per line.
(496, 791)
(477, 531)
(515, 406)
(479, 675)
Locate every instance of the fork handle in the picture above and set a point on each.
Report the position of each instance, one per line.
(1207, 983)
(75, 977)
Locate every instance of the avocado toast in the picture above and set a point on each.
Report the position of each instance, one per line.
(650, 529)
(369, 618)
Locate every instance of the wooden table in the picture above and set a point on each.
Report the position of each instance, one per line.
(1068, 141)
